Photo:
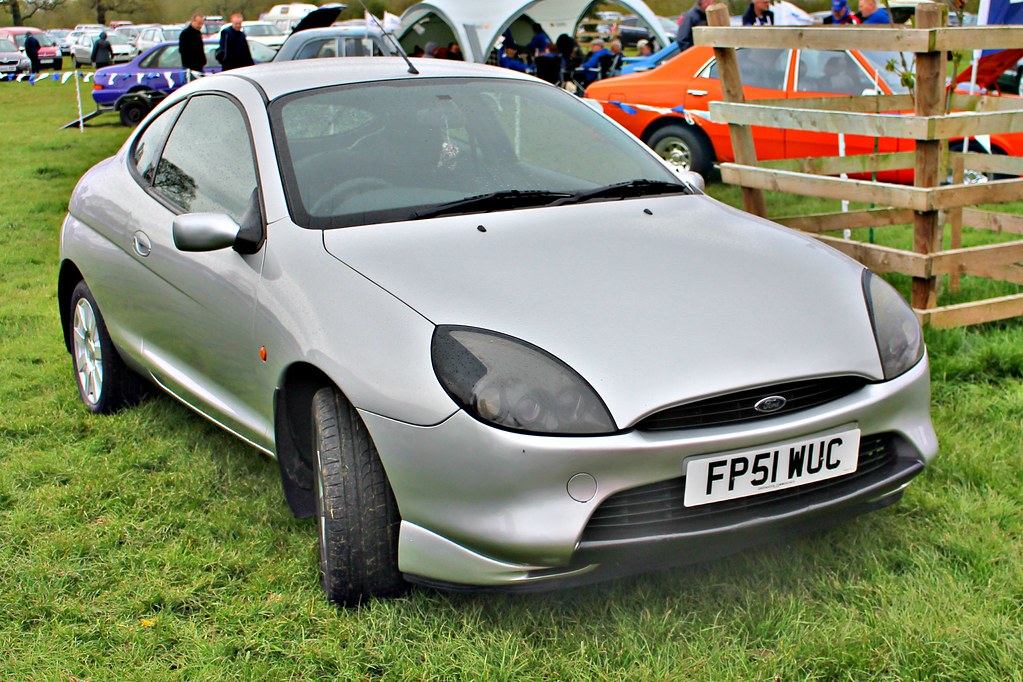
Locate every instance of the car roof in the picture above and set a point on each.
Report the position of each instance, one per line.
(281, 78)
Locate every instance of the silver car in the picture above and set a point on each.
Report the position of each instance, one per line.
(491, 339)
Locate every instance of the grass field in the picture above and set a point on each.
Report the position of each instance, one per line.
(150, 545)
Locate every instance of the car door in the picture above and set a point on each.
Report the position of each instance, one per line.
(764, 72)
(195, 309)
(832, 73)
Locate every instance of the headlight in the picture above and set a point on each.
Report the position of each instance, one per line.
(509, 383)
(899, 339)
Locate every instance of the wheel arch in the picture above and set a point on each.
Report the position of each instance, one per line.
(293, 406)
(67, 280)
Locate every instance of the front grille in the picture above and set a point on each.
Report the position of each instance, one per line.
(735, 408)
(657, 509)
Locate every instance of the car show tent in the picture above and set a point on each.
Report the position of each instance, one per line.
(476, 26)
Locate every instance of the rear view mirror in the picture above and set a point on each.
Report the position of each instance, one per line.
(204, 231)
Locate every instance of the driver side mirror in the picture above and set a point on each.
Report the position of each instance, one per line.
(693, 178)
(204, 231)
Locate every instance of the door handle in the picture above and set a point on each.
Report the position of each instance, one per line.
(696, 93)
(143, 247)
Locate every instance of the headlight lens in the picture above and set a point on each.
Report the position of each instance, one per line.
(509, 383)
(900, 342)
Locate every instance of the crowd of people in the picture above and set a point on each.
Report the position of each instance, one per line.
(759, 13)
(563, 61)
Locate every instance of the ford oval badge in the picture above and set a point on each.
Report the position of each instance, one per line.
(771, 403)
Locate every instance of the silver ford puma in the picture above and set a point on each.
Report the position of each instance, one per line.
(491, 339)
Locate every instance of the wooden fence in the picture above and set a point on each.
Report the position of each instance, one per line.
(927, 205)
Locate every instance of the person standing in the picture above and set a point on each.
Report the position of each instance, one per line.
(32, 52)
(840, 13)
(872, 14)
(696, 16)
(233, 52)
(758, 14)
(193, 54)
(102, 53)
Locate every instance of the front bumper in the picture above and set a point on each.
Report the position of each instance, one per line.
(483, 507)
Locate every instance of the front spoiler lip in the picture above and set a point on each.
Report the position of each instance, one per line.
(607, 560)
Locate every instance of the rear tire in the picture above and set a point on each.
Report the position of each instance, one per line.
(133, 112)
(683, 147)
(357, 516)
(105, 383)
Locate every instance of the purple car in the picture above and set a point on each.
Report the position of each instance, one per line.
(132, 89)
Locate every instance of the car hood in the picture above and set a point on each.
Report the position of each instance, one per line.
(654, 301)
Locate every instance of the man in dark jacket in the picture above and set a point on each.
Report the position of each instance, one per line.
(32, 52)
(758, 14)
(102, 53)
(193, 55)
(233, 52)
(696, 16)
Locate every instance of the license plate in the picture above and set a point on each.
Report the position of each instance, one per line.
(7, 68)
(728, 476)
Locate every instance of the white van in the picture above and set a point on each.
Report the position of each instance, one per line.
(286, 16)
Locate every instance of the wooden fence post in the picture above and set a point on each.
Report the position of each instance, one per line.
(731, 88)
(930, 92)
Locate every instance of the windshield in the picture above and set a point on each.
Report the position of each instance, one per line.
(7, 46)
(889, 66)
(115, 39)
(399, 150)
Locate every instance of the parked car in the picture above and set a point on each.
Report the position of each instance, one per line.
(12, 61)
(316, 37)
(131, 32)
(690, 80)
(483, 355)
(70, 39)
(334, 41)
(58, 35)
(151, 76)
(152, 36)
(264, 32)
(636, 64)
(49, 52)
(81, 51)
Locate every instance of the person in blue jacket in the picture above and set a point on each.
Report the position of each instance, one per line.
(510, 60)
(872, 14)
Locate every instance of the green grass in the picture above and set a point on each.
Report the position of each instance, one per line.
(150, 545)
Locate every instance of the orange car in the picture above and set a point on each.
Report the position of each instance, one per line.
(651, 104)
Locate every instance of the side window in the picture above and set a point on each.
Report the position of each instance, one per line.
(149, 142)
(833, 72)
(151, 60)
(759, 67)
(170, 58)
(207, 164)
(314, 49)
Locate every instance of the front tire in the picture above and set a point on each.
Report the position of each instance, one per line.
(357, 516)
(683, 147)
(105, 383)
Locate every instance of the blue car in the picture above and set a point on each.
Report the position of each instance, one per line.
(132, 89)
(634, 64)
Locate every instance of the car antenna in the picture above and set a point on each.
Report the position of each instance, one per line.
(411, 69)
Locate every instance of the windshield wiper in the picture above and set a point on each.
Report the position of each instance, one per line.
(624, 190)
(509, 198)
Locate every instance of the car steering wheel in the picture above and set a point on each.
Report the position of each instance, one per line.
(339, 194)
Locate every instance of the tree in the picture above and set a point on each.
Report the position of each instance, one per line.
(20, 10)
(122, 6)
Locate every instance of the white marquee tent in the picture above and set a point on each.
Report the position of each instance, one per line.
(476, 25)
